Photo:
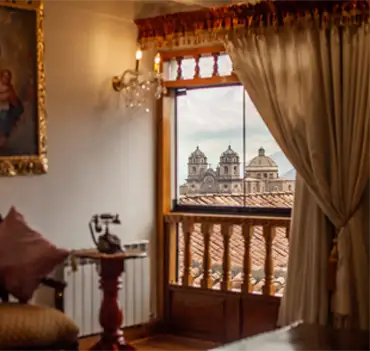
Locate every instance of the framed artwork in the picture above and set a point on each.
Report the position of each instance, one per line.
(22, 89)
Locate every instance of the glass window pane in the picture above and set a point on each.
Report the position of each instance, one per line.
(267, 171)
(209, 145)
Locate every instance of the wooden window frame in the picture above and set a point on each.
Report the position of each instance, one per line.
(164, 205)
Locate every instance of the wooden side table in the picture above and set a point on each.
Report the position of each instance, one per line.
(111, 315)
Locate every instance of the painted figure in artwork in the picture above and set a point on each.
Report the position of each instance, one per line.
(11, 107)
(19, 123)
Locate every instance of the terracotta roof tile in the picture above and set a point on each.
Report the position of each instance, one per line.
(272, 199)
(280, 245)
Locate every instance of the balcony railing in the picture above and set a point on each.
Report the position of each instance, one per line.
(230, 253)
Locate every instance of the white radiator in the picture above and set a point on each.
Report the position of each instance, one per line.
(82, 296)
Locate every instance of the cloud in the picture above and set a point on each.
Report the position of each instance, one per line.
(211, 110)
(212, 118)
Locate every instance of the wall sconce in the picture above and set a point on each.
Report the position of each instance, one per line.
(138, 87)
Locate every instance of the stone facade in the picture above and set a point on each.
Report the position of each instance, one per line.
(261, 175)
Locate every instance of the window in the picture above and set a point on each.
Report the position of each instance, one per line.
(220, 126)
(217, 131)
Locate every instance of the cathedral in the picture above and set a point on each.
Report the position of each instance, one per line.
(261, 175)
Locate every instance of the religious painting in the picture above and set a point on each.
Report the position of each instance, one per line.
(22, 90)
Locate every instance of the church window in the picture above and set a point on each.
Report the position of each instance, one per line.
(289, 187)
(226, 170)
(225, 186)
(194, 169)
(265, 175)
(235, 170)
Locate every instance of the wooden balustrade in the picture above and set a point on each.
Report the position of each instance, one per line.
(268, 234)
(226, 230)
(247, 266)
(187, 227)
(227, 223)
(178, 59)
(207, 229)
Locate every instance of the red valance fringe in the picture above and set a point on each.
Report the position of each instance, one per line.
(215, 23)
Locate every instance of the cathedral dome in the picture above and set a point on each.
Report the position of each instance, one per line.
(262, 161)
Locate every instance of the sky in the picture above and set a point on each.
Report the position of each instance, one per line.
(212, 118)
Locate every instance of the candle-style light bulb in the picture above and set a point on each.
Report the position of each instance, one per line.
(157, 61)
(139, 56)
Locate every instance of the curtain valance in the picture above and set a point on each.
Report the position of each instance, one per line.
(217, 24)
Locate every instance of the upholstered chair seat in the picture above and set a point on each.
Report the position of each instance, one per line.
(26, 261)
(23, 326)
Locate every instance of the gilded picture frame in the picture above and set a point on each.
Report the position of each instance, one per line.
(23, 149)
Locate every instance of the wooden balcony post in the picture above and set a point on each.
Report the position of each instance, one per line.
(197, 67)
(171, 252)
(179, 68)
(226, 231)
(207, 229)
(188, 228)
(215, 64)
(269, 235)
(247, 230)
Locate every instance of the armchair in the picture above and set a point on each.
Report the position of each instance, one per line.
(29, 327)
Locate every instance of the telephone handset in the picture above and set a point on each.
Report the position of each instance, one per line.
(106, 243)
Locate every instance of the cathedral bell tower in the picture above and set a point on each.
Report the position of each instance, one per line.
(229, 172)
(197, 164)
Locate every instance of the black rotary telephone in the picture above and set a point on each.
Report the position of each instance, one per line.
(107, 243)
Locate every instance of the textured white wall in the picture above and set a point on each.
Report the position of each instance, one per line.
(101, 158)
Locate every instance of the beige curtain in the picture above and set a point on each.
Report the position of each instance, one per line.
(311, 87)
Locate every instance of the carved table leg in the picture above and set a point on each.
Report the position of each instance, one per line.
(111, 316)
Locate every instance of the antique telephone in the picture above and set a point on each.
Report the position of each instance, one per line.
(106, 243)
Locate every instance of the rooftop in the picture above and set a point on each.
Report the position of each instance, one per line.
(272, 199)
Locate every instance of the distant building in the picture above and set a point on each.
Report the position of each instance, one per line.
(261, 175)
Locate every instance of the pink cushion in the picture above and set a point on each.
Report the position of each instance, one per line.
(25, 256)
